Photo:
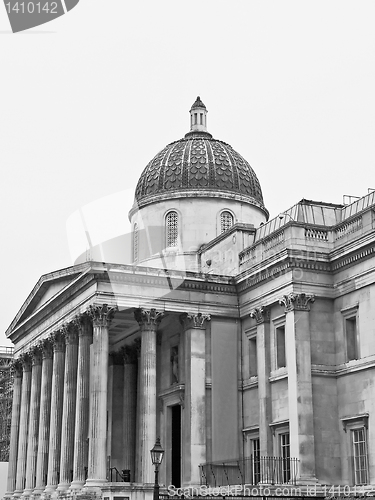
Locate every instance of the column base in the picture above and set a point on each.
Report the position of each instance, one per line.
(94, 485)
(50, 488)
(76, 485)
(63, 486)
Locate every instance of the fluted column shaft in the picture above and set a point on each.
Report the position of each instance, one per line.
(24, 425)
(32, 448)
(44, 417)
(129, 409)
(56, 412)
(69, 407)
(195, 395)
(82, 403)
(14, 431)
(97, 460)
(149, 321)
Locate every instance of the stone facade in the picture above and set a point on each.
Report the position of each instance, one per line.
(259, 358)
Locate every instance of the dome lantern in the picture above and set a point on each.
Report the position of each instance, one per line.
(198, 116)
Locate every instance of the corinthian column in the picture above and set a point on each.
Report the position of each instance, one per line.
(44, 417)
(56, 411)
(32, 447)
(15, 426)
(148, 321)
(82, 402)
(262, 317)
(130, 408)
(97, 462)
(24, 424)
(195, 396)
(68, 416)
(301, 418)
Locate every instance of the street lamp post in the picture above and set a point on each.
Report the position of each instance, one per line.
(157, 454)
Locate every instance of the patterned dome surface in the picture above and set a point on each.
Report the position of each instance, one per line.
(199, 162)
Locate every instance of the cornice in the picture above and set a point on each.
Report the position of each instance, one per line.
(239, 226)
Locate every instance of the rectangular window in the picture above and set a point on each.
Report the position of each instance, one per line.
(255, 462)
(201, 116)
(360, 468)
(253, 365)
(280, 347)
(195, 118)
(284, 445)
(351, 338)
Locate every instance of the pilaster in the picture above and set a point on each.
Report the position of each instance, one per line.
(148, 321)
(301, 418)
(195, 396)
(262, 317)
(101, 316)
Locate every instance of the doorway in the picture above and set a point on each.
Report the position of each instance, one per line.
(176, 446)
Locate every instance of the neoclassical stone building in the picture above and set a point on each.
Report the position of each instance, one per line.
(246, 344)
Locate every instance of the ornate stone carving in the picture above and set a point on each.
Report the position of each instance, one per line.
(46, 347)
(148, 318)
(129, 354)
(83, 323)
(194, 320)
(36, 355)
(71, 333)
(102, 315)
(297, 302)
(58, 340)
(261, 314)
(25, 359)
(16, 367)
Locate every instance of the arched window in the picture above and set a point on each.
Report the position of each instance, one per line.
(171, 229)
(135, 242)
(226, 221)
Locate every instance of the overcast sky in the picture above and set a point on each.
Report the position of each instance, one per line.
(89, 99)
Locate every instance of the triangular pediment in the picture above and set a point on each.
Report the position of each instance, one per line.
(47, 288)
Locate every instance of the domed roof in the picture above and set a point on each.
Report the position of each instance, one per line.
(198, 165)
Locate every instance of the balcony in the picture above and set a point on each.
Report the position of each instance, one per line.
(250, 471)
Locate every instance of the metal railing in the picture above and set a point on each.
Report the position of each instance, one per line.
(251, 470)
(115, 476)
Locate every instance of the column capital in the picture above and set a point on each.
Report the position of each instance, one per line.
(83, 323)
(36, 355)
(101, 315)
(297, 302)
(58, 341)
(16, 368)
(46, 348)
(25, 359)
(70, 333)
(261, 314)
(194, 320)
(129, 354)
(148, 319)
